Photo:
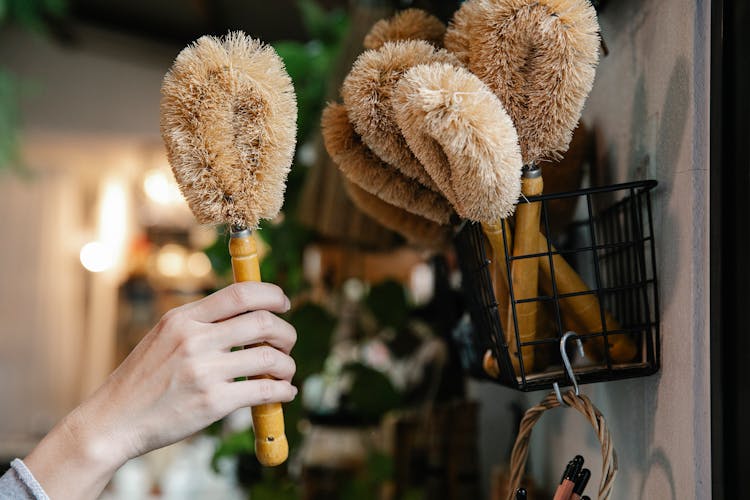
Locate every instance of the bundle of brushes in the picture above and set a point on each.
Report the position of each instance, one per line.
(469, 124)
(228, 120)
(382, 192)
(384, 178)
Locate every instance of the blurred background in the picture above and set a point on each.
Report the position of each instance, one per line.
(97, 244)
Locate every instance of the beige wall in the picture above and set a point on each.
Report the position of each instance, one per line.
(89, 111)
(40, 305)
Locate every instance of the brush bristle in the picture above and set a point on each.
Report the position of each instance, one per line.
(228, 120)
(538, 56)
(367, 95)
(459, 130)
(458, 34)
(415, 229)
(409, 24)
(366, 170)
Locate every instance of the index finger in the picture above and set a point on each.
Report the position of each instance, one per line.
(236, 299)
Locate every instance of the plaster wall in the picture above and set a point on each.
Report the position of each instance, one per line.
(88, 110)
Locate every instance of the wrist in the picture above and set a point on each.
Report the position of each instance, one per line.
(75, 460)
(91, 443)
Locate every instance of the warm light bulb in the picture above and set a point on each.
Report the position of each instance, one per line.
(112, 227)
(171, 260)
(160, 188)
(97, 257)
(198, 264)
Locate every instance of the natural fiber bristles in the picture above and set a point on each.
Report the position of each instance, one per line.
(229, 120)
(459, 130)
(365, 169)
(417, 230)
(409, 24)
(457, 35)
(367, 95)
(538, 56)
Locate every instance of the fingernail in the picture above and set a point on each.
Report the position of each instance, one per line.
(295, 390)
(287, 304)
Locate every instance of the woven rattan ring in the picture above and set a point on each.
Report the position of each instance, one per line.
(595, 418)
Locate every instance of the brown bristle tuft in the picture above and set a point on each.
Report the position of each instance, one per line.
(409, 24)
(228, 120)
(363, 168)
(367, 95)
(462, 135)
(538, 56)
(417, 230)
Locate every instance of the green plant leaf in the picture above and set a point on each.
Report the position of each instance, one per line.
(314, 18)
(372, 394)
(413, 494)
(27, 14)
(34, 15)
(293, 413)
(232, 445)
(274, 490)
(294, 55)
(326, 26)
(308, 65)
(368, 483)
(283, 264)
(55, 7)
(9, 120)
(387, 301)
(218, 254)
(315, 328)
(379, 466)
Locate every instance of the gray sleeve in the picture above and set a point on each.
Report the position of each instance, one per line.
(19, 484)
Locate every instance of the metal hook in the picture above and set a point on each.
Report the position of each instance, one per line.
(568, 367)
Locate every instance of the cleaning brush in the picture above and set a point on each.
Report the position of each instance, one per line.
(228, 120)
(538, 56)
(367, 96)
(370, 173)
(417, 230)
(409, 24)
(460, 132)
(376, 188)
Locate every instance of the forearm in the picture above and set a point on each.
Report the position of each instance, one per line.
(72, 462)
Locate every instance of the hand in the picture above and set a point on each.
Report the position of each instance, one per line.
(179, 379)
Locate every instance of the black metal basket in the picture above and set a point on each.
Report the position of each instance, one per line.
(611, 246)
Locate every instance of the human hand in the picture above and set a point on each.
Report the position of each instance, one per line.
(179, 379)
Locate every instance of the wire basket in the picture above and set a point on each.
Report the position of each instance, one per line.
(611, 249)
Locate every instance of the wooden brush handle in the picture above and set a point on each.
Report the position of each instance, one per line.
(271, 446)
(583, 310)
(524, 272)
(499, 273)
